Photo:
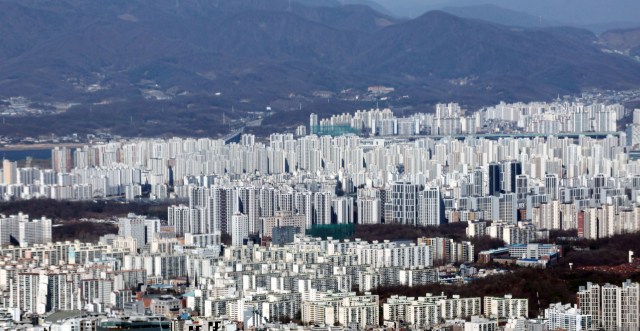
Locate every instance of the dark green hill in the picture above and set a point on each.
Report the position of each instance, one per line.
(447, 46)
(53, 50)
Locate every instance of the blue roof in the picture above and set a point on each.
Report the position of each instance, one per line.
(161, 286)
(495, 250)
(539, 245)
(190, 294)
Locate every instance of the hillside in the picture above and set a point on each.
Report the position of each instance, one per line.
(623, 40)
(264, 50)
(70, 211)
(547, 286)
(447, 46)
(572, 12)
(556, 284)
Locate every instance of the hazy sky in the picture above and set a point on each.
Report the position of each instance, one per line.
(568, 11)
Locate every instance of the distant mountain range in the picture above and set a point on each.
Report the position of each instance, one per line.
(581, 13)
(337, 3)
(493, 13)
(496, 14)
(623, 40)
(54, 49)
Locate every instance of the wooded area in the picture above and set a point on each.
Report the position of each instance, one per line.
(456, 231)
(555, 284)
(83, 231)
(66, 215)
(75, 210)
(552, 285)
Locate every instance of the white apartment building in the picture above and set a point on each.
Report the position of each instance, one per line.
(430, 207)
(36, 231)
(322, 208)
(142, 228)
(342, 210)
(239, 228)
(457, 307)
(481, 324)
(476, 229)
(248, 204)
(330, 307)
(430, 309)
(619, 306)
(388, 254)
(423, 313)
(404, 203)
(178, 217)
(24, 231)
(568, 318)
(369, 210)
(362, 310)
(506, 307)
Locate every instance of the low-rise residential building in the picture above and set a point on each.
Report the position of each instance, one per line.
(507, 306)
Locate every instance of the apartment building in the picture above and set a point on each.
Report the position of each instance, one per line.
(506, 306)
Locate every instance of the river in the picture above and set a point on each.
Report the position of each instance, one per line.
(22, 154)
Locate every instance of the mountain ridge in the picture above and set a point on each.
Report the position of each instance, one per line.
(623, 40)
(241, 46)
(496, 14)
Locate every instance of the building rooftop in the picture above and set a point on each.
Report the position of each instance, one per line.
(61, 315)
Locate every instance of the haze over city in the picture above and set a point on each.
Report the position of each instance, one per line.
(319, 165)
